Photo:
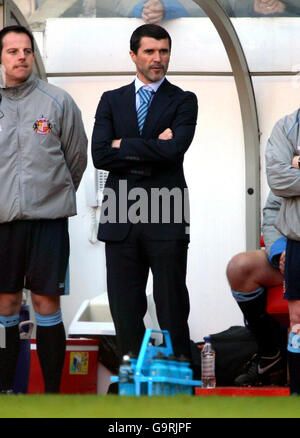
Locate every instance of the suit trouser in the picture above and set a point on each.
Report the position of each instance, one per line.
(128, 263)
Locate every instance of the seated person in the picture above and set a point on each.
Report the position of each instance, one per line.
(284, 8)
(249, 274)
(154, 11)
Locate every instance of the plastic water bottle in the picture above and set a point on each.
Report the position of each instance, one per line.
(126, 377)
(185, 373)
(143, 385)
(159, 368)
(173, 373)
(208, 358)
(22, 373)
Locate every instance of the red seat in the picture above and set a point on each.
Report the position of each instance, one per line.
(277, 306)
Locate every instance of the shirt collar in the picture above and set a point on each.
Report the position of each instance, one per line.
(21, 90)
(151, 87)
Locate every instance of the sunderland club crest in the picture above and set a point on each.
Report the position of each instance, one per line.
(42, 126)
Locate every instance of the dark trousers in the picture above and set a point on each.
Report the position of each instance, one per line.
(128, 263)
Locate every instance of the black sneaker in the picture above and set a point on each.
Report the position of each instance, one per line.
(262, 370)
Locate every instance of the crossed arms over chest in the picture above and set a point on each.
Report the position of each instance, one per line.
(116, 119)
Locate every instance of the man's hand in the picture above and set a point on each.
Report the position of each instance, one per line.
(116, 143)
(167, 134)
(153, 12)
(267, 7)
(282, 262)
(295, 161)
(296, 329)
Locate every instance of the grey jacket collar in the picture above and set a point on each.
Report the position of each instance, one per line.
(22, 90)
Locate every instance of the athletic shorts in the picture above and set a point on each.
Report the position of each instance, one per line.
(292, 270)
(34, 254)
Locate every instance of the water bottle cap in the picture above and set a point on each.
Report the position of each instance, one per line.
(207, 339)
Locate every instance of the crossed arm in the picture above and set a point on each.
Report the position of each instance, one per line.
(167, 134)
(132, 154)
(282, 168)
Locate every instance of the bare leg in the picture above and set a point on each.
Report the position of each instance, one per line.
(250, 270)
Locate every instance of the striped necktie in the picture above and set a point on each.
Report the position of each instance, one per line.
(145, 97)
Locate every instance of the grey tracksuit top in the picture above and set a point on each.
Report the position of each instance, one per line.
(43, 151)
(283, 179)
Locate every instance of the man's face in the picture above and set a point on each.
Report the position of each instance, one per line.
(152, 59)
(17, 58)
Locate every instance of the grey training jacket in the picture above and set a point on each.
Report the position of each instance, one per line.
(43, 151)
(283, 179)
(270, 212)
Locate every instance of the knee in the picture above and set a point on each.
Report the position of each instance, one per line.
(10, 304)
(45, 305)
(239, 270)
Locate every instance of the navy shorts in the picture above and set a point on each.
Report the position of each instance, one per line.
(292, 270)
(34, 254)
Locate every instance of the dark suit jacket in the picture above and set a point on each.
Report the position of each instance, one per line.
(144, 164)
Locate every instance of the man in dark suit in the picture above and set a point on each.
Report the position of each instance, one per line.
(141, 133)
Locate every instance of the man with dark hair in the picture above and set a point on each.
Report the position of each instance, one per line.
(16, 29)
(43, 156)
(155, 32)
(141, 134)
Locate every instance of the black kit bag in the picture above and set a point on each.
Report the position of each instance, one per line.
(234, 348)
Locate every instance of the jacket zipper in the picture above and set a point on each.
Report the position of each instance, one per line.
(19, 161)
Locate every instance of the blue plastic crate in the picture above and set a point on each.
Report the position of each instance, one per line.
(143, 383)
